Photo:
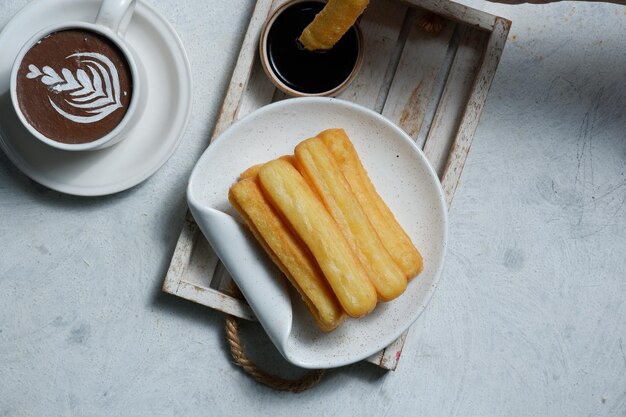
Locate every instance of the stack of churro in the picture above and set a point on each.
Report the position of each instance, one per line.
(320, 219)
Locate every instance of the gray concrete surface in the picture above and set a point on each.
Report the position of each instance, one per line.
(529, 318)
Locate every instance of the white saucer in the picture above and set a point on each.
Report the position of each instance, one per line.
(166, 104)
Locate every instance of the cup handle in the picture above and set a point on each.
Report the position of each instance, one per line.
(116, 14)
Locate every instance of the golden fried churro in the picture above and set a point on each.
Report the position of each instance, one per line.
(318, 166)
(393, 237)
(287, 252)
(331, 24)
(251, 172)
(290, 194)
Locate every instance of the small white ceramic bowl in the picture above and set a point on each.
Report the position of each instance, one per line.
(267, 67)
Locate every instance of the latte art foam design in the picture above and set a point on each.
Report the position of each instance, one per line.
(96, 92)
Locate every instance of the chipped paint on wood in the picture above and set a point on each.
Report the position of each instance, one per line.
(215, 299)
(241, 74)
(454, 98)
(473, 109)
(457, 12)
(413, 84)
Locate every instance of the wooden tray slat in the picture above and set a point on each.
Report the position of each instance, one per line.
(415, 77)
(457, 12)
(382, 23)
(474, 107)
(241, 74)
(450, 109)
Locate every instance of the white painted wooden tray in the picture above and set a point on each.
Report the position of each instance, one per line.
(433, 86)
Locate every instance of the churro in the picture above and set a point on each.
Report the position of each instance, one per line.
(287, 251)
(331, 24)
(288, 191)
(318, 166)
(253, 171)
(392, 235)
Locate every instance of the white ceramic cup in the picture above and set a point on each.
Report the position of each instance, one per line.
(111, 23)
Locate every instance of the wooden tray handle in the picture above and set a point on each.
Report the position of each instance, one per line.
(280, 384)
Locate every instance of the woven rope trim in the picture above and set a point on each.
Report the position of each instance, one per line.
(280, 384)
(431, 23)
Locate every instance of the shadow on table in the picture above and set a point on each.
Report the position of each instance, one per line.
(255, 342)
(21, 186)
(260, 350)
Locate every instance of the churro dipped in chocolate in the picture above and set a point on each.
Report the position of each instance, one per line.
(331, 24)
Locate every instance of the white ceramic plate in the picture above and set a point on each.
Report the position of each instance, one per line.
(165, 105)
(402, 176)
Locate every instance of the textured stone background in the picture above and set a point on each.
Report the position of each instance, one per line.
(530, 315)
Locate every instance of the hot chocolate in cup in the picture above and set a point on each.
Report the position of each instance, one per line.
(75, 86)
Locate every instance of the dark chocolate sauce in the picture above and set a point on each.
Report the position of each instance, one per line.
(302, 70)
